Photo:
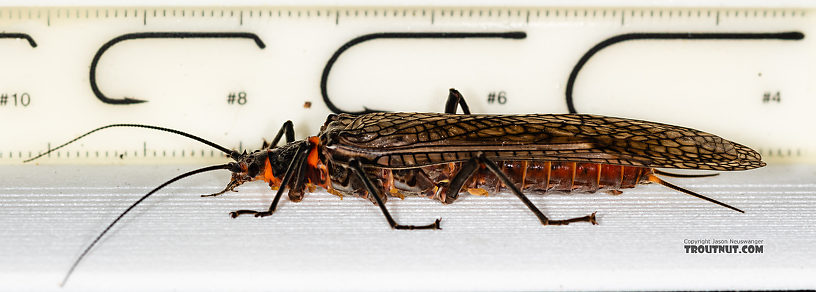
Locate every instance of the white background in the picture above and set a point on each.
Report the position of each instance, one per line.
(178, 241)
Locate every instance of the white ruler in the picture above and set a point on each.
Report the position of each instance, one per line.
(234, 75)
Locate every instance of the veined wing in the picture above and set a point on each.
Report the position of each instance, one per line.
(415, 139)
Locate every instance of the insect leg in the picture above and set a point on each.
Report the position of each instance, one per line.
(460, 178)
(287, 129)
(544, 220)
(355, 165)
(298, 186)
(299, 159)
(456, 99)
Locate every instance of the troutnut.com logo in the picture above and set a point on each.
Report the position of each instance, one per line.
(724, 245)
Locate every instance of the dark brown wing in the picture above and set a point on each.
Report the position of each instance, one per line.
(416, 139)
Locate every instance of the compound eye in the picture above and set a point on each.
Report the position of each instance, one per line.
(253, 169)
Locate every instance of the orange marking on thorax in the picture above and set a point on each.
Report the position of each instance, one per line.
(317, 172)
(313, 158)
(268, 176)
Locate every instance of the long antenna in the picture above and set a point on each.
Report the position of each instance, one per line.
(656, 179)
(233, 154)
(96, 240)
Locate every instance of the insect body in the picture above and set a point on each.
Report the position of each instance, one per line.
(440, 155)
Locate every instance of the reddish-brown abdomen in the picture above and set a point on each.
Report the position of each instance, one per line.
(529, 176)
(560, 176)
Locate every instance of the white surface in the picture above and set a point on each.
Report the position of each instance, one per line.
(179, 241)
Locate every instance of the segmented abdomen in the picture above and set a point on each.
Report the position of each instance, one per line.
(530, 176)
(539, 176)
(564, 176)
